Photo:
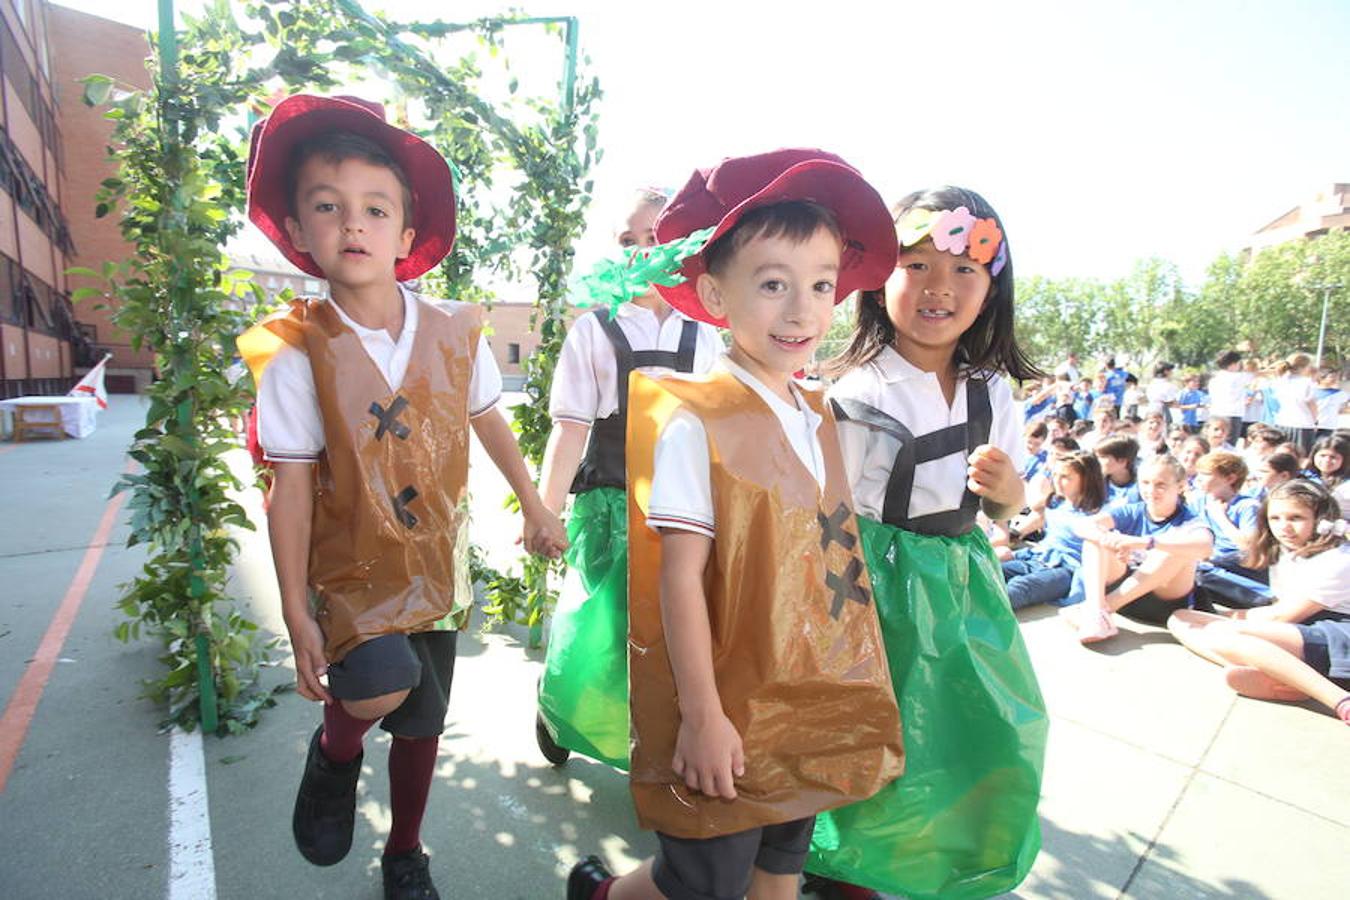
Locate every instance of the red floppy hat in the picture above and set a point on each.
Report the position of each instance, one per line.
(300, 117)
(723, 194)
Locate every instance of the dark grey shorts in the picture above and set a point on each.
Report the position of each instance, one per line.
(721, 868)
(422, 664)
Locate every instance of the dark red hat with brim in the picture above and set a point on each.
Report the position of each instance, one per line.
(722, 195)
(302, 116)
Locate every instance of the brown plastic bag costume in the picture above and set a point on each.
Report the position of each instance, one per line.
(797, 651)
(390, 505)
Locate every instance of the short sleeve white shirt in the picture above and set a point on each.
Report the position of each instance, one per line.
(914, 398)
(1160, 393)
(1294, 393)
(1323, 579)
(1228, 393)
(290, 424)
(585, 380)
(681, 495)
(1329, 408)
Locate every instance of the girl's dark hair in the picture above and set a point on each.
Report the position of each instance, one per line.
(1064, 444)
(1120, 446)
(988, 344)
(1227, 358)
(1339, 443)
(1318, 501)
(1037, 429)
(1094, 483)
(1283, 462)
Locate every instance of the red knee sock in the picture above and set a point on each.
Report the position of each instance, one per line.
(412, 761)
(602, 891)
(342, 733)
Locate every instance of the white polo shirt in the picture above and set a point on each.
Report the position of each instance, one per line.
(681, 479)
(585, 380)
(914, 398)
(1228, 393)
(290, 425)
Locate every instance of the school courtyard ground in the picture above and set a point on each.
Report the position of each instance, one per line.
(1160, 783)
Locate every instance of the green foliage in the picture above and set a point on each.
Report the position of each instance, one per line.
(178, 191)
(1274, 300)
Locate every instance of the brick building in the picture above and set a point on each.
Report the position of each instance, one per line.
(81, 45)
(40, 342)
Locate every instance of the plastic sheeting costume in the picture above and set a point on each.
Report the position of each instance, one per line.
(583, 695)
(390, 493)
(797, 657)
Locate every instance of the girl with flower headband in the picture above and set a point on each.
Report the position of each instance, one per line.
(1299, 646)
(930, 437)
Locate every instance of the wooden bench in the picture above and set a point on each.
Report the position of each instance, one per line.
(38, 420)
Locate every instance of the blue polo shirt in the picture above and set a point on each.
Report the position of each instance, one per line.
(1133, 519)
(1035, 465)
(1062, 546)
(1191, 416)
(1241, 512)
(1120, 495)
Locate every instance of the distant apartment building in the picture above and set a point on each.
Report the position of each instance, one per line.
(1328, 210)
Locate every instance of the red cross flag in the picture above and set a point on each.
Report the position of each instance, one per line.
(91, 385)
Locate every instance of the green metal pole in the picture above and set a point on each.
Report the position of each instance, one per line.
(168, 77)
(570, 66)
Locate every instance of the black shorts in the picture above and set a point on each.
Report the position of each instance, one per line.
(1150, 609)
(422, 664)
(720, 868)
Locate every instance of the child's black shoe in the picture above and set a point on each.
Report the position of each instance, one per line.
(406, 876)
(586, 878)
(325, 806)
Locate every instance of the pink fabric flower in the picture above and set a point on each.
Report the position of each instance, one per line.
(952, 231)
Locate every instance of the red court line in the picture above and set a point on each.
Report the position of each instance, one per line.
(23, 704)
(8, 447)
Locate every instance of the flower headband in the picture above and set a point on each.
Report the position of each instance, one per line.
(956, 231)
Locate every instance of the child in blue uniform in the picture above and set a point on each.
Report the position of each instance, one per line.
(931, 437)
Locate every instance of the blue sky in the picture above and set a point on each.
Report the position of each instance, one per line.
(1103, 132)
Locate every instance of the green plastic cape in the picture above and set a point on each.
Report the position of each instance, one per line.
(584, 692)
(961, 822)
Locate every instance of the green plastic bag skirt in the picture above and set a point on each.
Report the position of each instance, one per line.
(584, 692)
(961, 822)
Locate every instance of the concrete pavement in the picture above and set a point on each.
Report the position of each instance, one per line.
(1160, 782)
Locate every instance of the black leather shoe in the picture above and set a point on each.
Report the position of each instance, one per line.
(406, 877)
(325, 806)
(586, 876)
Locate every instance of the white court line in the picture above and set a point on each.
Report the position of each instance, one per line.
(192, 867)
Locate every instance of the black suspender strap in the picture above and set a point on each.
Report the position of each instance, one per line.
(915, 451)
(628, 359)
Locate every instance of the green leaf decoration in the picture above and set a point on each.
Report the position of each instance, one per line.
(613, 282)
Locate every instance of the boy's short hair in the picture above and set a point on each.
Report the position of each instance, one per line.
(1118, 446)
(1037, 429)
(1080, 428)
(1064, 444)
(796, 220)
(338, 147)
(1223, 464)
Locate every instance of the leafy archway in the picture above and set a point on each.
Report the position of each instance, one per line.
(178, 191)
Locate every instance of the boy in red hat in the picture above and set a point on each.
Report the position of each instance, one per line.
(365, 402)
(759, 690)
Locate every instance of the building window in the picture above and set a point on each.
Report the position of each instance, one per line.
(513, 354)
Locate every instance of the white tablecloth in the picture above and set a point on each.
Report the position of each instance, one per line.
(79, 415)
